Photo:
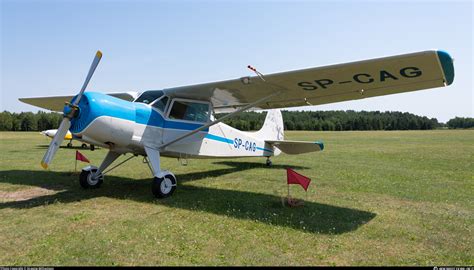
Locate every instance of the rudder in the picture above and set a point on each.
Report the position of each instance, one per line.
(272, 128)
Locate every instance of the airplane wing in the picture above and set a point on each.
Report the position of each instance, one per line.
(56, 103)
(328, 84)
(297, 147)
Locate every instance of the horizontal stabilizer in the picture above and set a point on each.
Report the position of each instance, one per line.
(297, 147)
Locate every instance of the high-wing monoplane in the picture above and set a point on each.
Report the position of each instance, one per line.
(180, 122)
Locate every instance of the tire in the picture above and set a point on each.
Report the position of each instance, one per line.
(69, 145)
(84, 146)
(86, 180)
(92, 147)
(163, 187)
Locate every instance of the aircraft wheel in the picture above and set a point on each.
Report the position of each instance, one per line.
(268, 163)
(163, 187)
(84, 146)
(88, 180)
(92, 147)
(69, 145)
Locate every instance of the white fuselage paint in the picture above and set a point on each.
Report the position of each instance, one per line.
(126, 136)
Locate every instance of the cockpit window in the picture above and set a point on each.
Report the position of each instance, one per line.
(190, 111)
(160, 104)
(148, 97)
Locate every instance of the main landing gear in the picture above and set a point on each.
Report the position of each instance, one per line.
(163, 184)
(89, 178)
(92, 177)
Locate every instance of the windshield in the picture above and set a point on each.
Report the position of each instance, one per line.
(148, 97)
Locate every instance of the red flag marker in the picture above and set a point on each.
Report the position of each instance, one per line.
(81, 157)
(296, 178)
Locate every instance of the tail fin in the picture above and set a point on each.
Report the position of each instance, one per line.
(272, 127)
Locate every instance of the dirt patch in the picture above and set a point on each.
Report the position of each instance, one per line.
(25, 194)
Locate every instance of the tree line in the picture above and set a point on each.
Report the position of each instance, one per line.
(28, 121)
(339, 121)
(461, 122)
(293, 120)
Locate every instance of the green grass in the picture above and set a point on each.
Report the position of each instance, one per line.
(377, 198)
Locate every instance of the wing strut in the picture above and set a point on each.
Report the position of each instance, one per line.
(219, 120)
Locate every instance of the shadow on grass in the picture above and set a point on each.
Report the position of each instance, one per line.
(75, 147)
(233, 166)
(313, 217)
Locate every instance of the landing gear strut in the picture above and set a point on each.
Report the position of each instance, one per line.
(163, 184)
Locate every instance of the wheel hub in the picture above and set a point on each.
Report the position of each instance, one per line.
(92, 179)
(166, 185)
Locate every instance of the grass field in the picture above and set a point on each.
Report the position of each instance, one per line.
(377, 198)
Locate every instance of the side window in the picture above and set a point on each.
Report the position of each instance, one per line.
(190, 111)
(161, 103)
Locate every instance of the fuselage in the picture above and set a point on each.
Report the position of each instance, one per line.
(125, 126)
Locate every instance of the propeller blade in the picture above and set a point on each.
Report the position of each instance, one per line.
(94, 65)
(56, 142)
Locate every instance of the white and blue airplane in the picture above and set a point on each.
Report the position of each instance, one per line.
(179, 122)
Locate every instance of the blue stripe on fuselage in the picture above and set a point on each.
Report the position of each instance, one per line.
(264, 149)
(229, 141)
(218, 138)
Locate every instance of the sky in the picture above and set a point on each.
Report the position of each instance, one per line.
(48, 46)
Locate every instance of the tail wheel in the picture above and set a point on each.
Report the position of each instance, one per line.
(268, 162)
(89, 180)
(163, 187)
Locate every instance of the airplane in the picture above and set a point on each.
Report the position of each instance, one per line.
(51, 132)
(180, 122)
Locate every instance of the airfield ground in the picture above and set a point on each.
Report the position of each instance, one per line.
(377, 198)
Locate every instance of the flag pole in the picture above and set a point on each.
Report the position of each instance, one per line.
(288, 191)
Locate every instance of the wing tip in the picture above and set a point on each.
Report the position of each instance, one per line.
(447, 65)
(321, 145)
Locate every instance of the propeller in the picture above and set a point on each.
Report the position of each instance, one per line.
(69, 113)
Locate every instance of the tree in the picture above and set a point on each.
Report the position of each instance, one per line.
(6, 121)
